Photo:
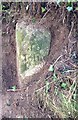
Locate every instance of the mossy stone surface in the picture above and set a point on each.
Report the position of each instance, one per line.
(33, 45)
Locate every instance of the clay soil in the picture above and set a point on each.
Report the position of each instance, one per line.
(23, 102)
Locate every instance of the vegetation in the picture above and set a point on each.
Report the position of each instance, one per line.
(63, 99)
(59, 93)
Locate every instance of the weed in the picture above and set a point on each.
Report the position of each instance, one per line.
(47, 88)
(13, 88)
(62, 102)
(51, 68)
(64, 85)
(43, 9)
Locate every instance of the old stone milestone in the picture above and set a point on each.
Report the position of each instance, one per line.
(33, 43)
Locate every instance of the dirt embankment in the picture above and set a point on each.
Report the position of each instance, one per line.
(24, 103)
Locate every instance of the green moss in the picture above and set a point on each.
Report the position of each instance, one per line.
(32, 44)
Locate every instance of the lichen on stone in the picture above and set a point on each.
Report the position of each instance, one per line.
(33, 45)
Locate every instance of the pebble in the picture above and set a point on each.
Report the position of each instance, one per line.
(8, 102)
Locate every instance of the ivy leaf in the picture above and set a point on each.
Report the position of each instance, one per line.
(58, 2)
(69, 8)
(69, 3)
(43, 9)
(51, 68)
(64, 85)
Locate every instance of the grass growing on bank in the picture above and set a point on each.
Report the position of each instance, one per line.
(62, 97)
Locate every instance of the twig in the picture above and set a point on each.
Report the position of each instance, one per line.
(71, 71)
(10, 90)
(27, 95)
(45, 14)
(42, 87)
(70, 33)
(57, 60)
(70, 94)
(71, 30)
(74, 65)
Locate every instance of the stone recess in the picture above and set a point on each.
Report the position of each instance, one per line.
(33, 43)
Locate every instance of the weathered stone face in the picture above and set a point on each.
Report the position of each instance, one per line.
(32, 45)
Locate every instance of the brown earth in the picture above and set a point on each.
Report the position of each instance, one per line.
(23, 102)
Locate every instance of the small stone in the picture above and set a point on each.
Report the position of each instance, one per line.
(8, 102)
(17, 103)
(21, 96)
(19, 116)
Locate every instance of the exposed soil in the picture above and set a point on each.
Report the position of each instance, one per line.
(23, 102)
